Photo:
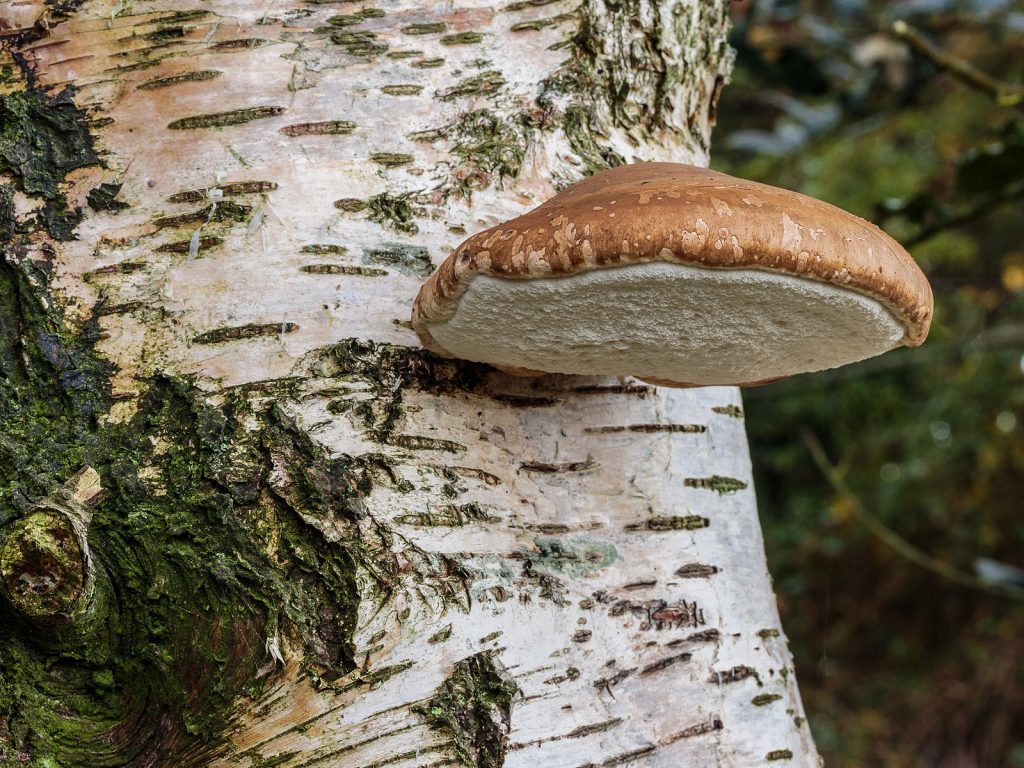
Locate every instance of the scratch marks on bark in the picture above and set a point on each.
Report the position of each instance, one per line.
(577, 733)
(239, 44)
(477, 474)
(231, 189)
(322, 128)
(188, 77)
(705, 636)
(642, 390)
(570, 674)
(626, 757)
(670, 523)
(324, 249)
(635, 585)
(343, 269)
(734, 675)
(659, 614)
(222, 119)
(719, 484)
(421, 443)
(665, 663)
(729, 410)
(410, 259)
(249, 331)
(650, 428)
(477, 85)
(606, 683)
(449, 516)
(696, 571)
(528, 401)
(545, 467)
(441, 635)
(709, 726)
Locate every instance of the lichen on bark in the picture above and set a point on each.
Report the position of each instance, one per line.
(474, 706)
(634, 70)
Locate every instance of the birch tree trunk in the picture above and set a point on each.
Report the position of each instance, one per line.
(320, 545)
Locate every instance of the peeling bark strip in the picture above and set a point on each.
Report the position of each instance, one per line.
(309, 533)
(474, 706)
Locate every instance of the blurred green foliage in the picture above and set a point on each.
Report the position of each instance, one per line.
(899, 667)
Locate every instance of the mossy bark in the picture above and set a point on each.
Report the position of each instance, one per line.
(319, 544)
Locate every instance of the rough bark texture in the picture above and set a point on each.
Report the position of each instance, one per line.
(322, 545)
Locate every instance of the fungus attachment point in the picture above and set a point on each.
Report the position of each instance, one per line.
(678, 275)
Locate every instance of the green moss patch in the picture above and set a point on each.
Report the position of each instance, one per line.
(222, 526)
(474, 706)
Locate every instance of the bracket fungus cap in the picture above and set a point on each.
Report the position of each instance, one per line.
(677, 275)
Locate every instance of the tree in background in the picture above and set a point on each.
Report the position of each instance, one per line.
(892, 491)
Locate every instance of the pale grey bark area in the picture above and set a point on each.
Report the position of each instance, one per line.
(605, 532)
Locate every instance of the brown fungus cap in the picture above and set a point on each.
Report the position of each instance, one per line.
(678, 275)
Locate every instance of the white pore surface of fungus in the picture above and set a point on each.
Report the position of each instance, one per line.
(668, 321)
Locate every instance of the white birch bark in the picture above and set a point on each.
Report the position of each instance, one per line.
(611, 559)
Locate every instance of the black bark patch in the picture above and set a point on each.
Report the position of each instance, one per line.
(104, 198)
(389, 369)
(43, 138)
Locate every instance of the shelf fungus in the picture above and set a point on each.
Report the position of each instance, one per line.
(677, 275)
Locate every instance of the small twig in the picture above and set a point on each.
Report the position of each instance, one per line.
(1005, 95)
(892, 539)
(971, 214)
